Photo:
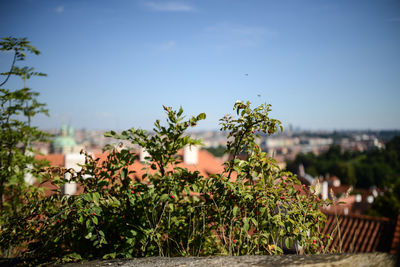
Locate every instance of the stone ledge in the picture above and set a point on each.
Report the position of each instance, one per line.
(350, 260)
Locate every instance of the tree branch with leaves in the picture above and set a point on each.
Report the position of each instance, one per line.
(17, 107)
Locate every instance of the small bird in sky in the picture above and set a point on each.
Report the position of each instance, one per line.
(246, 74)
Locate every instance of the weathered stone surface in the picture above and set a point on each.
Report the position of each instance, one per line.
(350, 260)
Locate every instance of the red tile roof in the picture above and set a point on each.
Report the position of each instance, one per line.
(357, 233)
(55, 160)
(396, 238)
(207, 164)
(349, 205)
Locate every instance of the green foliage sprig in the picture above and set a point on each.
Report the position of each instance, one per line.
(165, 143)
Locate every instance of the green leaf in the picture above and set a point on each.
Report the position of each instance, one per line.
(180, 111)
(246, 225)
(88, 236)
(235, 211)
(87, 197)
(110, 134)
(254, 221)
(96, 197)
(187, 191)
(124, 172)
(133, 232)
(201, 116)
(289, 243)
(164, 197)
(110, 256)
(74, 256)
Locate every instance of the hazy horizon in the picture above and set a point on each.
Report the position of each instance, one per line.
(198, 129)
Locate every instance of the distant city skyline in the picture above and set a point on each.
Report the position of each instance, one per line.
(323, 65)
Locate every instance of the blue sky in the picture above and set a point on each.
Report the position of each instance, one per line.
(322, 64)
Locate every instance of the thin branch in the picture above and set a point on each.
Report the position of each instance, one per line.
(239, 145)
(9, 73)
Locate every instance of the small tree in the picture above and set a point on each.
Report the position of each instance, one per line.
(17, 107)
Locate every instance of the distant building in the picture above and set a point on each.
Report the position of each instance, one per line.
(65, 153)
(65, 141)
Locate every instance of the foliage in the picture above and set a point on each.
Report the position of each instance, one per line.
(362, 169)
(387, 163)
(388, 204)
(218, 151)
(16, 133)
(251, 208)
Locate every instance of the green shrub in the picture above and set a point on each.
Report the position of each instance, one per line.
(250, 208)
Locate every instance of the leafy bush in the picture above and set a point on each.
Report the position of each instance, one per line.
(253, 207)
